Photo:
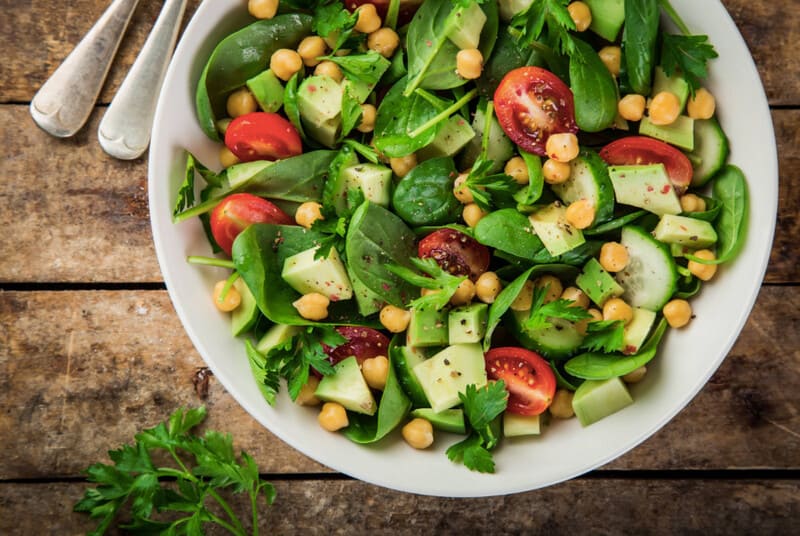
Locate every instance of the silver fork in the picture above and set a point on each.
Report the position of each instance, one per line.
(63, 104)
(125, 129)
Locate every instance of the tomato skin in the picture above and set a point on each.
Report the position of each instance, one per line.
(455, 252)
(262, 136)
(532, 103)
(529, 379)
(362, 342)
(635, 150)
(237, 211)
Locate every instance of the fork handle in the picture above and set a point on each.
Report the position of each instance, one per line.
(125, 129)
(63, 104)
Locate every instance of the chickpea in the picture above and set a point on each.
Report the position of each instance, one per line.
(384, 41)
(704, 272)
(702, 105)
(561, 408)
(329, 69)
(613, 257)
(611, 56)
(418, 433)
(262, 9)
(460, 191)
(368, 115)
(312, 306)
(307, 396)
(631, 107)
(285, 62)
(487, 287)
(231, 300)
(401, 165)
(227, 158)
(472, 214)
(394, 318)
(580, 214)
(368, 19)
(664, 108)
(556, 172)
(375, 371)
(524, 299)
(617, 309)
(553, 285)
(574, 294)
(241, 102)
(308, 213)
(581, 15)
(677, 312)
(597, 316)
(464, 293)
(635, 376)
(333, 416)
(311, 48)
(562, 147)
(693, 203)
(469, 63)
(517, 170)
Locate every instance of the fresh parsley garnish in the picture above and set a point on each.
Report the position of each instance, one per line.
(688, 56)
(481, 408)
(185, 490)
(541, 312)
(332, 19)
(443, 283)
(488, 189)
(548, 17)
(604, 336)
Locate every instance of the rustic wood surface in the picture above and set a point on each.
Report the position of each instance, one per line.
(91, 349)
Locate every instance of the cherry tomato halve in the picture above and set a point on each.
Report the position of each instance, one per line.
(364, 343)
(262, 136)
(237, 211)
(641, 150)
(455, 252)
(529, 379)
(532, 103)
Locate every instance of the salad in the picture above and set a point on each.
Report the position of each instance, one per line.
(469, 217)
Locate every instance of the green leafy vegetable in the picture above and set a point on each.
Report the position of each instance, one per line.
(639, 43)
(687, 55)
(551, 15)
(367, 68)
(482, 407)
(502, 303)
(541, 312)
(333, 20)
(187, 489)
(604, 336)
(443, 283)
(351, 113)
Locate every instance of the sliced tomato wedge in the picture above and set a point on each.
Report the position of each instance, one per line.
(364, 343)
(238, 211)
(529, 379)
(455, 252)
(262, 136)
(532, 103)
(641, 150)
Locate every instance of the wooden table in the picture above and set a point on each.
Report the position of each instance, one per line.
(91, 350)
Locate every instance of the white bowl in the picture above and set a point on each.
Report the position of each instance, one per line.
(686, 361)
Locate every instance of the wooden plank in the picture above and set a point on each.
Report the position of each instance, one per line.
(28, 57)
(585, 506)
(81, 372)
(86, 219)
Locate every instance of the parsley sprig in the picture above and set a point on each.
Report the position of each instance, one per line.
(188, 488)
(481, 407)
(604, 336)
(444, 283)
(331, 19)
(541, 312)
(548, 17)
(687, 55)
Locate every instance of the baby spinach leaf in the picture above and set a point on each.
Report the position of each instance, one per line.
(351, 113)
(510, 231)
(574, 257)
(713, 208)
(425, 195)
(639, 42)
(593, 87)
(533, 192)
(615, 224)
(367, 68)
(501, 304)
(399, 116)
(290, 107)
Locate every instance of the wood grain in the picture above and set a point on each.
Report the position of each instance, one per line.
(583, 506)
(81, 372)
(77, 190)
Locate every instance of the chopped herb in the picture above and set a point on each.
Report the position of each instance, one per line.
(541, 312)
(481, 407)
(687, 55)
(443, 283)
(604, 336)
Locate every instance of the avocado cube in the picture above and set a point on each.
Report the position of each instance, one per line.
(373, 179)
(453, 136)
(598, 284)
(607, 17)
(690, 232)
(468, 23)
(467, 323)
(521, 425)
(646, 187)
(348, 387)
(428, 327)
(637, 329)
(276, 336)
(675, 84)
(244, 317)
(449, 420)
(595, 400)
(319, 101)
(556, 233)
(267, 90)
(326, 275)
(449, 372)
(680, 132)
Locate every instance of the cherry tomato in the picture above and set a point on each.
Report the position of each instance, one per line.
(237, 211)
(262, 136)
(529, 379)
(455, 252)
(364, 343)
(405, 14)
(532, 103)
(636, 150)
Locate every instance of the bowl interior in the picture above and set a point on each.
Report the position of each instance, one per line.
(686, 361)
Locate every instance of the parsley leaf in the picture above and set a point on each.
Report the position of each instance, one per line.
(604, 336)
(351, 113)
(687, 55)
(488, 190)
(482, 407)
(333, 20)
(552, 15)
(541, 312)
(443, 283)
